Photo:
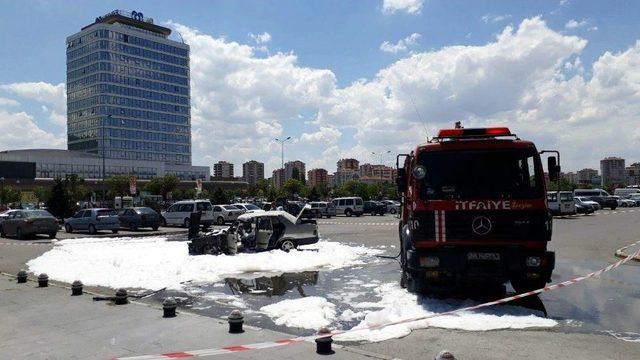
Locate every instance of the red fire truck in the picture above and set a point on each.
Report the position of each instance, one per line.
(474, 211)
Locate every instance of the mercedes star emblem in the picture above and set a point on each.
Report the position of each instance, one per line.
(481, 225)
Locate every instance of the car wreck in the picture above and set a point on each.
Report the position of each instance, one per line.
(255, 232)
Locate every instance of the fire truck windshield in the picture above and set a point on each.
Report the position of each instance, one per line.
(478, 174)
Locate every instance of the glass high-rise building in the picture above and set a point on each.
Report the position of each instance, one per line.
(128, 85)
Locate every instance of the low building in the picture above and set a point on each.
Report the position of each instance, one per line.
(223, 170)
(586, 176)
(569, 177)
(252, 172)
(317, 176)
(52, 163)
(377, 174)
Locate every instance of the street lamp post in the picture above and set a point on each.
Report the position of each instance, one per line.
(381, 155)
(282, 148)
(1, 190)
(102, 185)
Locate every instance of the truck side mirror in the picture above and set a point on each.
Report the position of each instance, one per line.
(401, 180)
(554, 168)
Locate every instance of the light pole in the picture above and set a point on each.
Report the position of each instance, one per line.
(282, 148)
(102, 185)
(1, 189)
(381, 155)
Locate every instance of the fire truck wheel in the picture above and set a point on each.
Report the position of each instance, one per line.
(521, 286)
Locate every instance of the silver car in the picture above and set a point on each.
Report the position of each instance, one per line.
(93, 220)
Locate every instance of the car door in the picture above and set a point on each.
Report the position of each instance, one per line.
(85, 220)
(9, 224)
(170, 215)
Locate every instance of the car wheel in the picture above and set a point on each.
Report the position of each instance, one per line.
(154, 228)
(68, 228)
(613, 208)
(115, 231)
(393, 211)
(348, 212)
(133, 226)
(19, 234)
(186, 223)
(220, 220)
(92, 229)
(52, 235)
(287, 245)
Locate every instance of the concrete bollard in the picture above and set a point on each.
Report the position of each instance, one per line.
(169, 307)
(445, 355)
(121, 297)
(43, 280)
(76, 288)
(235, 320)
(22, 277)
(323, 343)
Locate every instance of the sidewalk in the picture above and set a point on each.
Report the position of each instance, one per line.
(48, 323)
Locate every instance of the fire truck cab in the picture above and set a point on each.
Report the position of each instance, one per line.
(475, 212)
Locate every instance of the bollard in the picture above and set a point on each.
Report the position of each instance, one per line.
(235, 320)
(76, 288)
(43, 280)
(169, 307)
(121, 297)
(22, 277)
(445, 355)
(323, 343)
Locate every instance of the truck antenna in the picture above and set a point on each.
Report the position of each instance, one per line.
(424, 125)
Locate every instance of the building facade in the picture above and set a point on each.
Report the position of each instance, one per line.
(348, 165)
(252, 172)
(296, 164)
(613, 171)
(569, 177)
(377, 174)
(586, 176)
(277, 178)
(317, 176)
(128, 91)
(223, 169)
(633, 174)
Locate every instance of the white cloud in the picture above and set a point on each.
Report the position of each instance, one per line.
(564, 2)
(19, 131)
(408, 6)
(326, 135)
(402, 44)
(492, 18)
(573, 24)
(44, 93)
(265, 37)
(8, 102)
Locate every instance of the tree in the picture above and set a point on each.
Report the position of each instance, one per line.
(42, 194)
(117, 185)
(292, 187)
(9, 194)
(314, 194)
(60, 203)
(163, 185)
(219, 196)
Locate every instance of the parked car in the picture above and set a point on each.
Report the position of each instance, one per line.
(5, 214)
(392, 205)
(583, 200)
(625, 192)
(623, 202)
(349, 206)
(23, 223)
(226, 213)
(139, 217)
(562, 204)
(374, 208)
(605, 201)
(583, 208)
(260, 231)
(324, 208)
(247, 207)
(93, 220)
(179, 213)
(636, 198)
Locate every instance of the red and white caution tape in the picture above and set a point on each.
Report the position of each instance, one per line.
(278, 343)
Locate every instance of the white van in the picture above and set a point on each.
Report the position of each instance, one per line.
(349, 206)
(180, 212)
(590, 192)
(624, 192)
(561, 203)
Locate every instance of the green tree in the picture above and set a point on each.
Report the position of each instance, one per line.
(292, 187)
(219, 196)
(9, 194)
(117, 185)
(60, 203)
(42, 194)
(163, 185)
(314, 194)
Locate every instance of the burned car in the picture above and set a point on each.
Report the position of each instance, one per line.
(260, 231)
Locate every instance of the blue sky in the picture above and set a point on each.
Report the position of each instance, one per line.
(341, 42)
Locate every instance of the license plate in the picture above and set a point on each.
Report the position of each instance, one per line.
(483, 256)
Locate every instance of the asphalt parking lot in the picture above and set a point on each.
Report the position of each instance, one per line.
(599, 318)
